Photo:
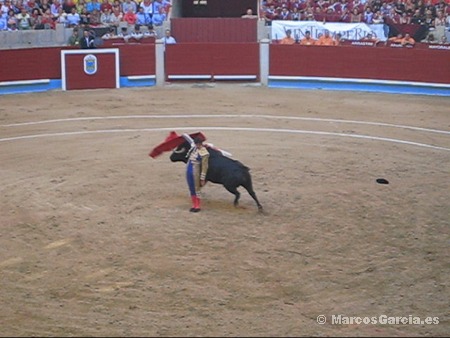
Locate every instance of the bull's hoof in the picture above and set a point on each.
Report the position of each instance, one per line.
(194, 210)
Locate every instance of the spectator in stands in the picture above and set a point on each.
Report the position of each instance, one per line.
(68, 5)
(355, 16)
(127, 5)
(150, 33)
(142, 18)
(385, 9)
(43, 6)
(309, 14)
(429, 6)
(106, 17)
(87, 41)
(162, 3)
(376, 5)
(105, 4)
(136, 33)
(444, 40)
(404, 19)
(396, 39)
(74, 39)
(284, 14)
(130, 17)
(345, 16)
(13, 27)
(29, 5)
(319, 15)
(16, 6)
(441, 6)
(269, 14)
(95, 18)
(24, 20)
(168, 38)
(338, 39)
(12, 19)
(439, 24)
(123, 34)
(408, 40)
(117, 11)
(5, 7)
(335, 6)
(378, 18)
(393, 17)
(73, 19)
(308, 40)
(47, 19)
(148, 7)
(110, 34)
(429, 20)
(368, 16)
(249, 14)
(80, 6)
(85, 18)
(399, 7)
(331, 16)
(430, 39)
(115, 20)
(417, 18)
(358, 5)
(36, 19)
(295, 14)
(3, 21)
(159, 17)
(370, 38)
(288, 39)
(54, 7)
(326, 39)
(421, 7)
(323, 4)
(93, 5)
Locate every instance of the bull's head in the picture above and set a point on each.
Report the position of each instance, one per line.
(180, 153)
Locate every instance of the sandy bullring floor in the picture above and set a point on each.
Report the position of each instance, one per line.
(96, 238)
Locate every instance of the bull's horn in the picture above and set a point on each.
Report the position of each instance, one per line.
(182, 150)
(188, 138)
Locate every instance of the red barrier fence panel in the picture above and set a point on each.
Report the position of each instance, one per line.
(45, 63)
(30, 64)
(90, 69)
(418, 64)
(212, 59)
(214, 29)
(397, 64)
(137, 59)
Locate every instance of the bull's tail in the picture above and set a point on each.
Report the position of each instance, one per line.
(248, 185)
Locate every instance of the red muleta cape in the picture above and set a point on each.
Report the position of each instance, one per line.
(171, 142)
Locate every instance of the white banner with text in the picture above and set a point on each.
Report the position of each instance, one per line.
(348, 31)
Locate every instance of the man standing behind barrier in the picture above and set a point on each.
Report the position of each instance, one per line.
(308, 40)
(326, 40)
(288, 39)
(168, 39)
(87, 41)
(74, 39)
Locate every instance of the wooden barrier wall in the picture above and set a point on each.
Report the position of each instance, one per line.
(401, 64)
(212, 59)
(45, 63)
(214, 30)
(30, 64)
(378, 63)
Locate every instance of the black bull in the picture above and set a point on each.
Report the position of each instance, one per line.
(222, 170)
